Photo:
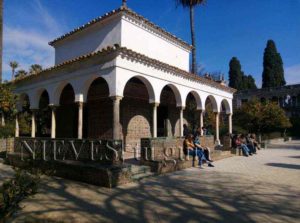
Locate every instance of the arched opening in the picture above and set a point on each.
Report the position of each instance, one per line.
(43, 116)
(24, 117)
(168, 114)
(209, 115)
(98, 111)
(224, 118)
(136, 112)
(191, 114)
(67, 114)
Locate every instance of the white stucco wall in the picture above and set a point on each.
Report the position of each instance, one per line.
(126, 32)
(147, 42)
(90, 40)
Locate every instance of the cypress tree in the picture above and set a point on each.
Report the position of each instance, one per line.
(251, 82)
(273, 73)
(235, 73)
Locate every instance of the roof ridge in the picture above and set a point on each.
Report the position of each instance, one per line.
(129, 52)
(113, 12)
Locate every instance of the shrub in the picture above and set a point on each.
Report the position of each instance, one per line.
(7, 131)
(15, 190)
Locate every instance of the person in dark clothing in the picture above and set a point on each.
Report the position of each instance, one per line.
(186, 131)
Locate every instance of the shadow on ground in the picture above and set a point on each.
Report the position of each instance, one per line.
(284, 165)
(171, 198)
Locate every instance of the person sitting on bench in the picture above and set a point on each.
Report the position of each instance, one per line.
(239, 142)
(191, 149)
(253, 138)
(197, 143)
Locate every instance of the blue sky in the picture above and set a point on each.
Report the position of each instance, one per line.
(225, 29)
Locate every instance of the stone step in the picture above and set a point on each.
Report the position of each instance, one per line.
(137, 169)
(218, 154)
(141, 176)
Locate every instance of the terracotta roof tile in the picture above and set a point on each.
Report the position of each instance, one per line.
(128, 12)
(123, 51)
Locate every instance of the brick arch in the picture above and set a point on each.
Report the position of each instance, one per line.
(23, 97)
(197, 98)
(58, 91)
(176, 93)
(213, 101)
(135, 111)
(226, 105)
(87, 84)
(148, 85)
(98, 110)
(67, 113)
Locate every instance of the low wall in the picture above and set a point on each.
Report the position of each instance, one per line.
(158, 148)
(92, 173)
(165, 155)
(97, 162)
(106, 152)
(6, 146)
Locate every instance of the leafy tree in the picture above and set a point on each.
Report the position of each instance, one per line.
(21, 74)
(237, 78)
(255, 116)
(273, 73)
(191, 4)
(7, 100)
(14, 65)
(251, 82)
(35, 69)
(235, 73)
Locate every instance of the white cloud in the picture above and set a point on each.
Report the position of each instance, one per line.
(292, 74)
(29, 45)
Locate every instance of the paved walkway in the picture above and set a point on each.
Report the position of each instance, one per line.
(261, 188)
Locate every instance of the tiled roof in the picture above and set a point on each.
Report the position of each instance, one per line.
(128, 12)
(137, 56)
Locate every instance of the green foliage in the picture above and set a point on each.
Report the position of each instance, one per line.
(273, 73)
(8, 130)
(21, 74)
(237, 78)
(188, 3)
(255, 116)
(35, 69)
(15, 190)
(191, 113)
(7, 100)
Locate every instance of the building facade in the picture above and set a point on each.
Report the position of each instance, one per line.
(287, 97)
(120, 77)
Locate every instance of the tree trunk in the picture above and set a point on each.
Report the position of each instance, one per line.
(192, 21)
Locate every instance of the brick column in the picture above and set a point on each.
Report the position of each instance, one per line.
(33, 122)
(17, 130)
(116, 116)
(230, 123)
(181, 121)
(53, 121)
(80, 120)
(217, 128)
(154, 120)
(201, 121)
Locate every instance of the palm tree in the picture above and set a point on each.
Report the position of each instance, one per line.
(14, 65)
(191, 4)
(21, 74)
(35, 69)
